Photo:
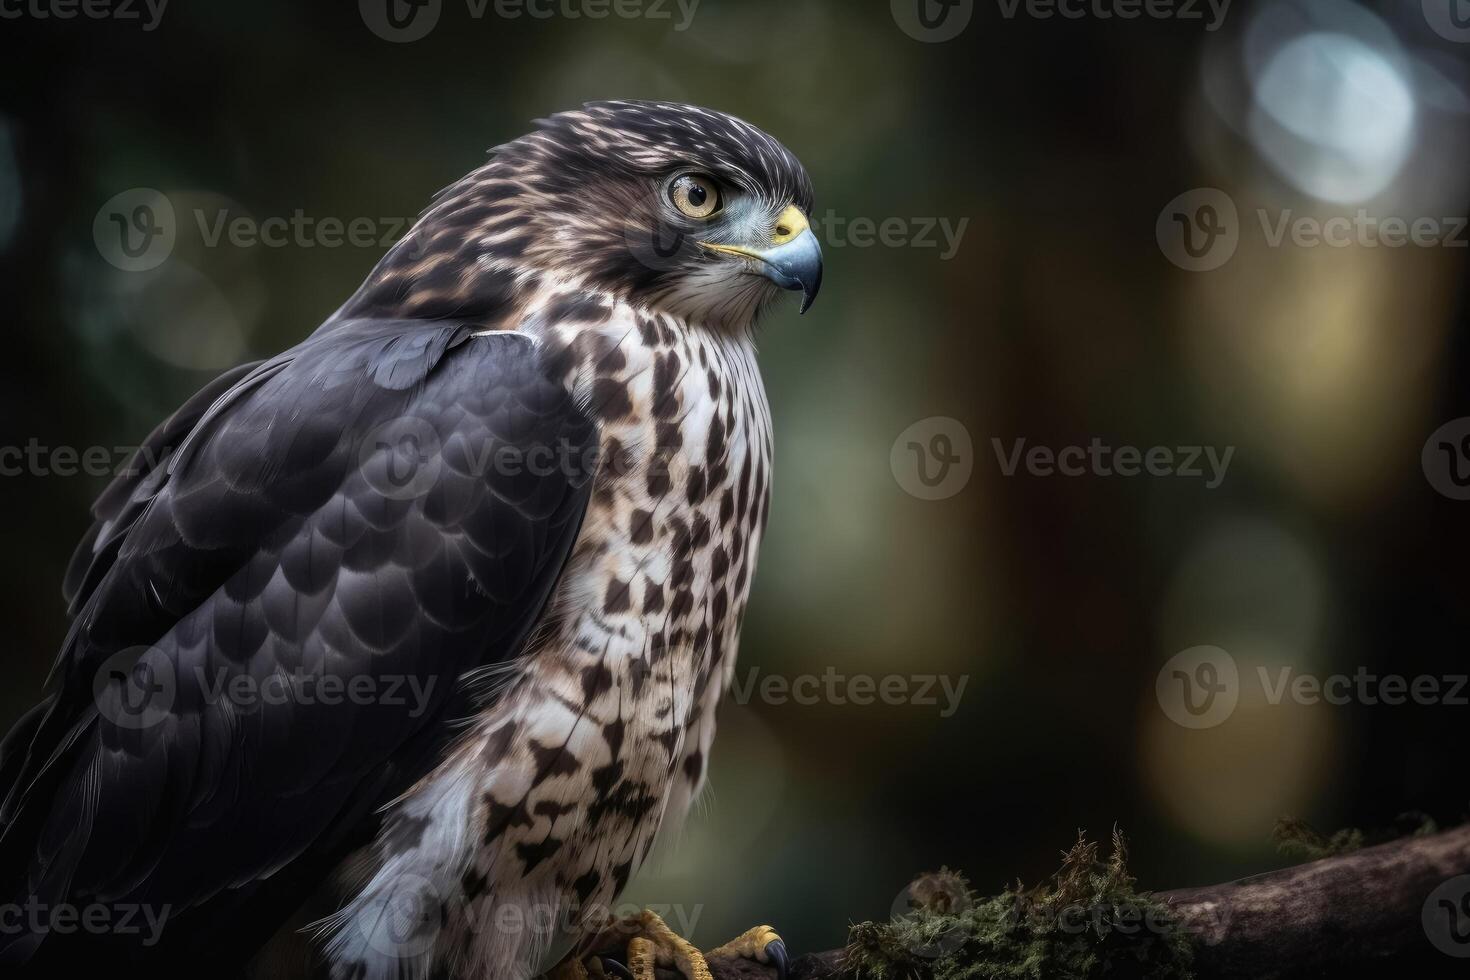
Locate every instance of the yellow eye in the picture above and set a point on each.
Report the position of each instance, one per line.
(695, 195)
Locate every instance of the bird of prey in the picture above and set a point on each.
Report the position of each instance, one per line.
(392, 654)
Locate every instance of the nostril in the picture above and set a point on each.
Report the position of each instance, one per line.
(782, 231)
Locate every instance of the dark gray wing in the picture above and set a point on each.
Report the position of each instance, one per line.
(124, 500)
(354, 510)
(114, 512)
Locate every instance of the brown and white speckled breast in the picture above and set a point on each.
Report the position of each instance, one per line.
(603, 732)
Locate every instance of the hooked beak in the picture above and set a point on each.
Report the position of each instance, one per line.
(794, 258)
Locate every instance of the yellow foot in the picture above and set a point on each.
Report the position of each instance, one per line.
(761, 944)
(570, 968)
(653, 944)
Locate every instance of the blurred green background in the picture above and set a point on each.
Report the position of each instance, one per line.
(1060, 317)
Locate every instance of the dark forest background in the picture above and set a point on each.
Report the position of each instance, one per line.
(1059, 319)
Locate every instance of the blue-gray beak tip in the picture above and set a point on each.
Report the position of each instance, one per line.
(797, 265)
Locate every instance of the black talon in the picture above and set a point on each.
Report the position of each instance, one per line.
(615, 968)
(776, 950)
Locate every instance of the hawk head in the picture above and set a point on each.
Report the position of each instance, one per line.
(684, 210)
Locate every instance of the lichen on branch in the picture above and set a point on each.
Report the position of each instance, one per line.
(1089, 921)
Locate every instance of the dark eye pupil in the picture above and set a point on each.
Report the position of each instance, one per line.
(697, 195)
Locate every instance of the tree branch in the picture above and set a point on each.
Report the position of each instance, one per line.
(1364, 909)
(1332, 914)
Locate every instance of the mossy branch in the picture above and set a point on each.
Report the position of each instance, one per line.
(1362, 911)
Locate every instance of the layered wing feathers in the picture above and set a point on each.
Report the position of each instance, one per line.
(335, 517)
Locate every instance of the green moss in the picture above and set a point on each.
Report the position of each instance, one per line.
(1089, 921)
(1298, 839)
